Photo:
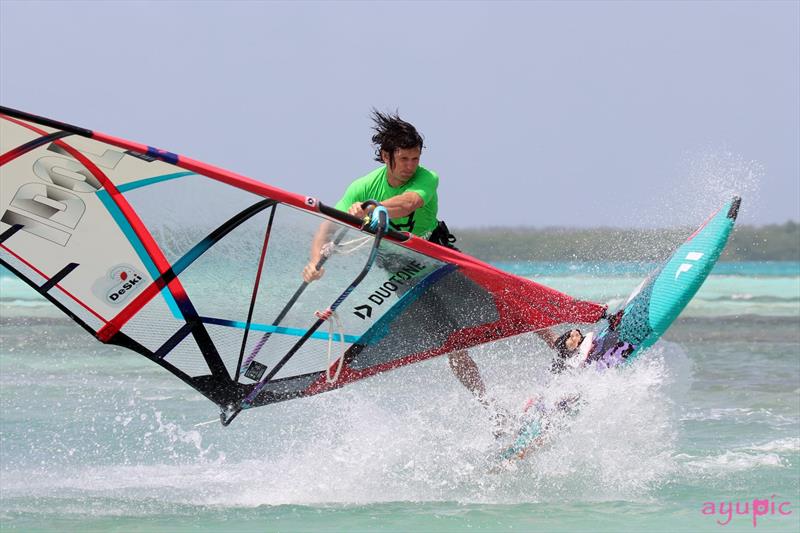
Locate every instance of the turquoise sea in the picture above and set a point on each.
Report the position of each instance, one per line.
(96, 438)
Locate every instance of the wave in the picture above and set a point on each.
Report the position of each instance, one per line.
(740, 415)
(749, 297)
(771, 454)
(791, 444)
(732, 461)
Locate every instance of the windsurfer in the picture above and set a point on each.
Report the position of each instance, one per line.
(408, 191)
(606, 351)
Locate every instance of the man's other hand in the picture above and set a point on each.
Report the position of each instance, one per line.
(356, 210)
(310, 272)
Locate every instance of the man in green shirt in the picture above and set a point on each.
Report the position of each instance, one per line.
(409, 194)
(408, 191)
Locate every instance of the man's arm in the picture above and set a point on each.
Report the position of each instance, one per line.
(398, 206)
(310, 272)
(403, 205)
(549, 336)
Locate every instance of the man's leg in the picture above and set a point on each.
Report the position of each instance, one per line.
(466, 370)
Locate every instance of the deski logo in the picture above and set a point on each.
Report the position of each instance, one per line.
(686, 267)
(117, 286)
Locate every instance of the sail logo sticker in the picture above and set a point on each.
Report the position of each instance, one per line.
(686, 267)
(119, 284)
(52, 208)
(399, 281)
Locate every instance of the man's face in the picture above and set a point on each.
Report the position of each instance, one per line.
(574, 339)
(406, 161)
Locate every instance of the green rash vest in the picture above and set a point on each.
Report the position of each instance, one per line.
(375, 186)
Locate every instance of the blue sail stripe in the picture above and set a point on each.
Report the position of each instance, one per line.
(151, 181)
(127, 230)
(295, 332)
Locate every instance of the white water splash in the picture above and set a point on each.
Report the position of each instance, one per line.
(399, 438)
(706, 178)
(410, 435)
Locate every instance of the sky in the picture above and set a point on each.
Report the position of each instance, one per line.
(534, 113)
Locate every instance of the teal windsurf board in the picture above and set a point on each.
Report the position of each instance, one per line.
(652, 308)
(647, 313)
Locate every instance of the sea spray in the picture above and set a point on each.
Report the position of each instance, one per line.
(704, 177)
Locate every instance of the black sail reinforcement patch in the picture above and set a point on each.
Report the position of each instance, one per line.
(255, 371)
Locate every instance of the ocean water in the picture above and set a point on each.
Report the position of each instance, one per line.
(96, 438)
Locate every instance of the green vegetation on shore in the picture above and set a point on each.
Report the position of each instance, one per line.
(774, 242)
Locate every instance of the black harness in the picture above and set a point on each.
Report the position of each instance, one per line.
(442, 236)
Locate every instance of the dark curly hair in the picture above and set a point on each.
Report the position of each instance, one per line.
(391, 133)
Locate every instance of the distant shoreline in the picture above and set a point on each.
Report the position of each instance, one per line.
(773, 242)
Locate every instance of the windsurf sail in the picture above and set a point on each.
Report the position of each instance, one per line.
(199, 270)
